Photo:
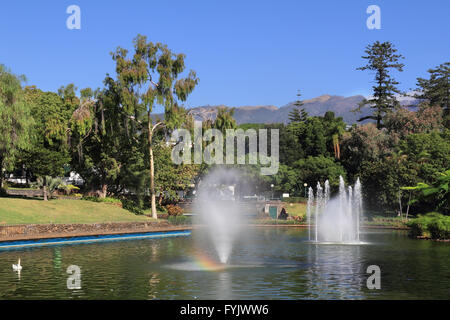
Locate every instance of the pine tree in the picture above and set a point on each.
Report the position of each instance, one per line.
(381, 58)
(298, 114)
(436, 89)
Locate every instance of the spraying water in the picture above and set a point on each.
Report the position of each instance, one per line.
(308, 210)
(319, 206)
(218, 210)
(337, 219)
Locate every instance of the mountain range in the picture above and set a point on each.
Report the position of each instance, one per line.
(341, 106)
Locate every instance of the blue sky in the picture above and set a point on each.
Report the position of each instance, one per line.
(245, 52)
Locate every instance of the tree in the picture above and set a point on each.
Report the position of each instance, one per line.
(298, 114)
(363, 144)
(436, 89)
(320, 168)
(224, 119)
(170, 177)
(15, 119)
(381, 58)
(438, 193)
(49, 151)
(403, 122)
(147, 79)
(334, 129)
(50, 184)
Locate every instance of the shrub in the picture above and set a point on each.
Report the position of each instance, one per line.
(434, 225)
(68, 189)
(416, 228)
(177, 220)
(440, 228)
(131, 206)
(3, 192)
(174, 210)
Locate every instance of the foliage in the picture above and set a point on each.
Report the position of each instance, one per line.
(50, 151)
(363, 144)
(15, 120)
(404, 122)
(298, 114)
(131, 206)
(50, 183)
(439, 192)
(224, 119)
(170, 177)
(381, 57)
(314, 169)
(434, 225)
(436, 89)
(174, 210)
(148, 78)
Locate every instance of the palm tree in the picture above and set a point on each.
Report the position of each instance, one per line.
(49, 184)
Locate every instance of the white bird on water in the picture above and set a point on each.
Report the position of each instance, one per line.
(17, 267)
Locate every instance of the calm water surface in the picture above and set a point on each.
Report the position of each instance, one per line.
(268, 264)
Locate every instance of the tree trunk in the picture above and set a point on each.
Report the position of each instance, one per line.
(1, 173)
(400, 204)
(407, 209)
(45, 190)
(152, 168)
(104, 190)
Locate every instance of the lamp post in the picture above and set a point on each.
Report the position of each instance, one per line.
(305, 185)
(271, 186)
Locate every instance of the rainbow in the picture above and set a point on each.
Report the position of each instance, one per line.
(203, 262)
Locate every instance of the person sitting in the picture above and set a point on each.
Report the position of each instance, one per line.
(283, 214)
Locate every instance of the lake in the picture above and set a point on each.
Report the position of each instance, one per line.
(266, 263)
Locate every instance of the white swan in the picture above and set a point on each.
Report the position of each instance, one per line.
(17, 267)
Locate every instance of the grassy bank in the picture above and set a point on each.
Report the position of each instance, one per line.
(27, 211)
(296, 209)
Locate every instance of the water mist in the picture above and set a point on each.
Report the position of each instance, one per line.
(218, 210)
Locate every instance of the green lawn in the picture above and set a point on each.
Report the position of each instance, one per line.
(296, 209)
(27, 211)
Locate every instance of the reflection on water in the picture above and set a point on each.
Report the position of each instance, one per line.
(271, 264)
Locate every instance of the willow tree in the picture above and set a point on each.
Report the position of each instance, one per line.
(152, 77)
(15, 119)
(381, 58)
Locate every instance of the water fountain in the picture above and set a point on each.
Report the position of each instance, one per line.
(337, 219)
(219, 211)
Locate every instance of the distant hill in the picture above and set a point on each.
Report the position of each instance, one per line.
(341, 106)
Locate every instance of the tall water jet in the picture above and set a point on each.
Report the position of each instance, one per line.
(327, 191)
(308, 210)
(319, 200)
(337, 219)
(218, 210)
(358, 205)
(342, 198)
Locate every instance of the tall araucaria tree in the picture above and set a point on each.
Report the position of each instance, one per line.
(15, 119)
(147, 79)
(436, 89)
(381, 58)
